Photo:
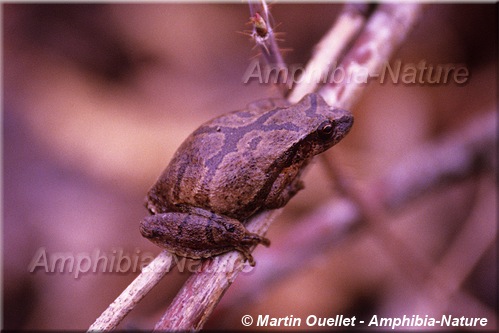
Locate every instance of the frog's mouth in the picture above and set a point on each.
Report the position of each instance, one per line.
(343, 125)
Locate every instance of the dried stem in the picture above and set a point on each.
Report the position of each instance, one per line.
(147, 279)
(386, 30)
(328, 50)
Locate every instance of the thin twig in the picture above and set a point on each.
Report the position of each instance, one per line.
(431, 165)
(147, 279)
(327, 52)
(477, 236)
(264, 36)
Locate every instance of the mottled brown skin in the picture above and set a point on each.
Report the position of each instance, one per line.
(234, 166)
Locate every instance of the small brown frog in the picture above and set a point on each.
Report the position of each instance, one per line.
(233, 167)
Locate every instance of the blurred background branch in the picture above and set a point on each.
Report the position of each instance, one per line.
(339, 217)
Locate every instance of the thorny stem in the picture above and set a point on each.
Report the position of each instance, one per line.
(264, 36)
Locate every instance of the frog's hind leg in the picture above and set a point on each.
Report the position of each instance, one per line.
(200, 234)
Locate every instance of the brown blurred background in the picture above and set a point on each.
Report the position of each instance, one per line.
(97, 97)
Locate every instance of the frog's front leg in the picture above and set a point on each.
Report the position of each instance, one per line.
(199, 234)
(287, 184)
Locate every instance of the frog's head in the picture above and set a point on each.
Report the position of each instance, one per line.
(326, 125)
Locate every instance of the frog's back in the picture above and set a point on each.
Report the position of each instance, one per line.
(228, 165)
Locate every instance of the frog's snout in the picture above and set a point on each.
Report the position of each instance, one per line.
(145, 232)
(344, 121)
(148, 227)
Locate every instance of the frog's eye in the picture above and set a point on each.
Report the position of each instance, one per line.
(326, 130)
(229, 228)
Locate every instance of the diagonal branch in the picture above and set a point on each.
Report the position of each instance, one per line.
(384, 33)
(147, 279)
(329, 49)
